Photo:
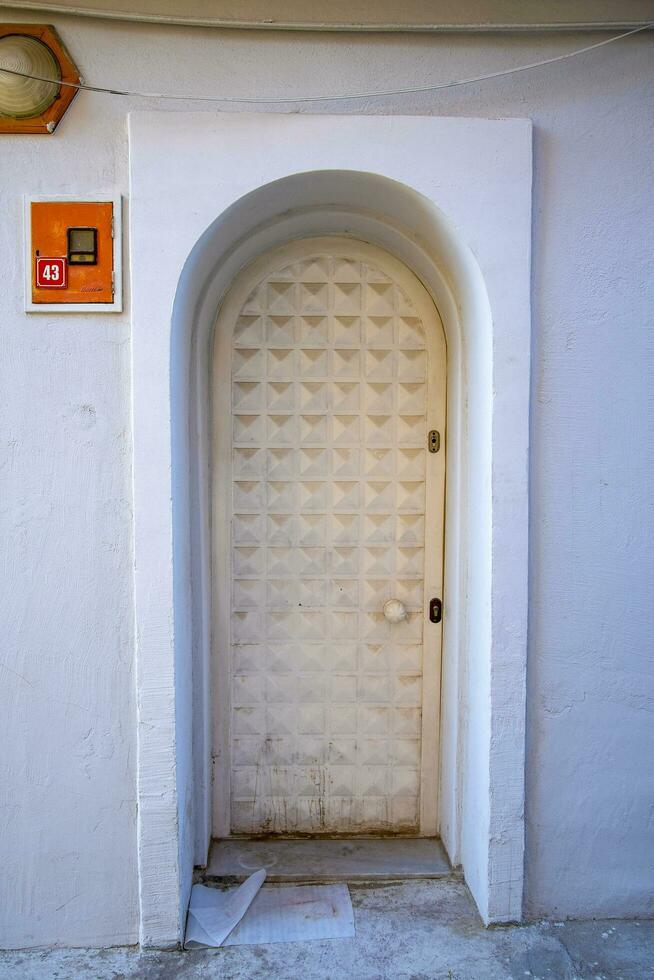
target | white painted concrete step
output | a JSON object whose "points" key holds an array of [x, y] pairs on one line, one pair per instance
{"points": [[328, 859]]}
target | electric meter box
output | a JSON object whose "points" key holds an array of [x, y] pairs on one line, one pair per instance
{"points": [[73, 255]]}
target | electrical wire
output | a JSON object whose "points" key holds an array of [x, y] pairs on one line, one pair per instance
{"points": [[354, 25], [287, 100]]}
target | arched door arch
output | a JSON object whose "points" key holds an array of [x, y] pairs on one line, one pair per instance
{"points": [[413, 231]]}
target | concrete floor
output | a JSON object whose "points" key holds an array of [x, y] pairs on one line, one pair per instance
{"points": [[423, 930], [328, 859]]}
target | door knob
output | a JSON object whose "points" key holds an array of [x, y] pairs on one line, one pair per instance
{"points": [[395, 610]]}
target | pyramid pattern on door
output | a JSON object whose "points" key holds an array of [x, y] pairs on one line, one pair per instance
{"points": [[329, 389]]}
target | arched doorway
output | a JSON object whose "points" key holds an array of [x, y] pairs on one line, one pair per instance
{"points": [[328, 486], [225, 219]]}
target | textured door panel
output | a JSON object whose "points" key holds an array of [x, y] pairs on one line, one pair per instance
{"points": [[326, 512]]}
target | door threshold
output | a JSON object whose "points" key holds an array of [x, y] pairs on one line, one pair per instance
{"points": [[327, 859]]}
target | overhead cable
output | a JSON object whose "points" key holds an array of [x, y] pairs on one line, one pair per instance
{"points": [[303, 99]]}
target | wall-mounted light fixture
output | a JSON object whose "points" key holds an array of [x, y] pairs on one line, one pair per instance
{"points": [[34, 104]]}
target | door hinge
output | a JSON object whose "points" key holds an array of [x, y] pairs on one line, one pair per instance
{"points": [[435, 611], [434, 441]]}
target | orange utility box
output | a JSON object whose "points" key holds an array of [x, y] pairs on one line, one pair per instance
{"points": [[72, 254]]}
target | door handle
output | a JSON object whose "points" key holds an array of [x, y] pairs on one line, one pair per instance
{"points": [[395, 611], [435, 611]]}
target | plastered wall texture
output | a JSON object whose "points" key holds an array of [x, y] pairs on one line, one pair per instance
{"points": [[67, 709]]}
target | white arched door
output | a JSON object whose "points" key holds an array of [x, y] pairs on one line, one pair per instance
{"points": [[329, 373]]}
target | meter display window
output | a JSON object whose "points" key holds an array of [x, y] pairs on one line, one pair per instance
{"points": [[82, 246]]}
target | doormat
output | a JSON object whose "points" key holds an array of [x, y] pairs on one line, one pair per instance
{"points": [[251, 914]]}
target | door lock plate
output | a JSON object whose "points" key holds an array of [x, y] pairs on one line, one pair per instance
{"points": [[434, 440]]}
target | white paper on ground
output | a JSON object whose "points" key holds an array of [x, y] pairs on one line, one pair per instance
{"points": [[293, 913], [212, 913]]}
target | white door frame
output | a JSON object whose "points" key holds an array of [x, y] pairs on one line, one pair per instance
{"points": [[389, 181], [221, 465]]}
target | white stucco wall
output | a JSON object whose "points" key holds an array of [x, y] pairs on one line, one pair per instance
{"points": [[67, 711]]}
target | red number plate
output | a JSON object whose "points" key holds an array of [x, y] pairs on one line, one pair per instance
{"points": [[51, 273]]}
